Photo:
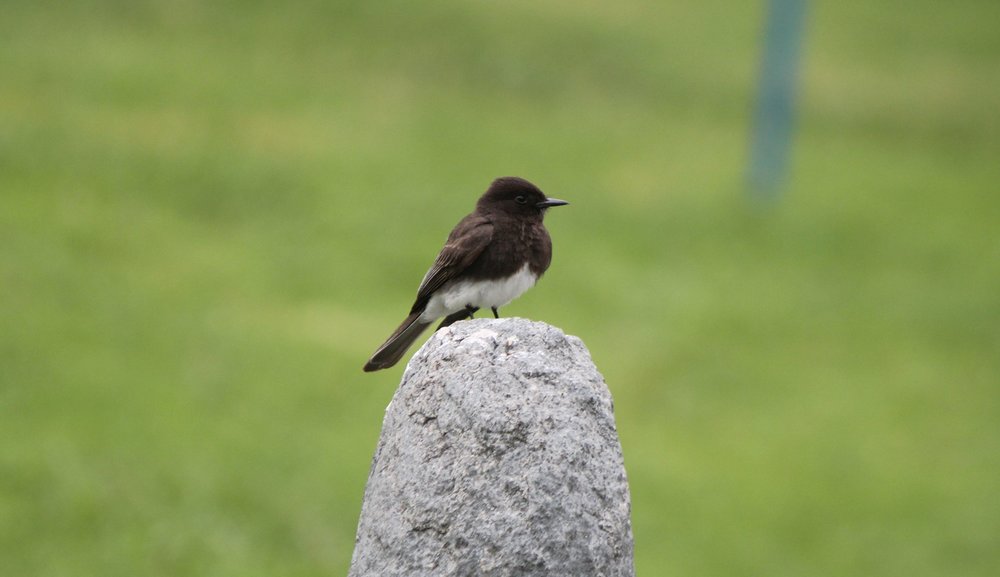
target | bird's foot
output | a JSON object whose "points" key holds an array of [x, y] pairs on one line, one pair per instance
{"points": [[496, 313], [459, 315]]}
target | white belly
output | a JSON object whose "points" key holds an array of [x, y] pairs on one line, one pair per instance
{"points": [[482, 294]]}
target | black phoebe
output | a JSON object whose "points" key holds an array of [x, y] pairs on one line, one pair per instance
{"points": [[490, 258]]}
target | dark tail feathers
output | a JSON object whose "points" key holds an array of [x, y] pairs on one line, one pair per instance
{"points": [[396, 345]]}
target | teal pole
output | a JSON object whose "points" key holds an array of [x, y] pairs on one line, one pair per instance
{"points": [[774, 115]]}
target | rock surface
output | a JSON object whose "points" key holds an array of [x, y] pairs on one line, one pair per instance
{"points": [[498, 456]]}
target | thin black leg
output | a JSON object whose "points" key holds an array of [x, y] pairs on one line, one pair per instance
{"points": [[496, 314], [461, 315]]}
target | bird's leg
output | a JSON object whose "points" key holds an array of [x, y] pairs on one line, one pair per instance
{"points": [[459, 315], [496, 313]]}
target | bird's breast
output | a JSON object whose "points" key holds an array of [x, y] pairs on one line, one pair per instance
{"points": [[481, 293]]}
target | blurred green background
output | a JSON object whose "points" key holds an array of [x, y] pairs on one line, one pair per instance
{"points": [[211, 214]]}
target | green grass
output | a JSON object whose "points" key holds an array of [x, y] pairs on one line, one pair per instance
{"points": [[192, 274]]}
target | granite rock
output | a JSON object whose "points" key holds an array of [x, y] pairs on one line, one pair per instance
{"points": [[498, 457]]}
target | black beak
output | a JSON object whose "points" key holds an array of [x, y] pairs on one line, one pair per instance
{"points": [[551, 202]]}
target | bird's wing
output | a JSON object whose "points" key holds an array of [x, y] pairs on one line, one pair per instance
{"points": [[464, 245]]}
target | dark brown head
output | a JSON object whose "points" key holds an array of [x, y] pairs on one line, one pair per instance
{"points": [[516, 196]]}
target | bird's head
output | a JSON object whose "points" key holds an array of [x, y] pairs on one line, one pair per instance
{"points": [[515, 195]]}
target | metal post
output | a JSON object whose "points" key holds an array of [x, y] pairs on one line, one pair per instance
{"points": [[775, 111]]}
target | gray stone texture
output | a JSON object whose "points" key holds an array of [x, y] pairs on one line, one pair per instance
{"points": [[498, 456]]}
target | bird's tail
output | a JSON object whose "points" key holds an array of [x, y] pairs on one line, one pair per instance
{"points": [[396, 345]]}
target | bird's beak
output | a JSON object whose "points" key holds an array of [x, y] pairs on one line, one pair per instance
{"points": [[551, 202]]}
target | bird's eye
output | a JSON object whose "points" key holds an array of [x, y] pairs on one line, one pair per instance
{"points": [[520, 200]]}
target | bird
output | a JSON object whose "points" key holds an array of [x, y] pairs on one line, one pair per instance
{"points": [[491, 257]]}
